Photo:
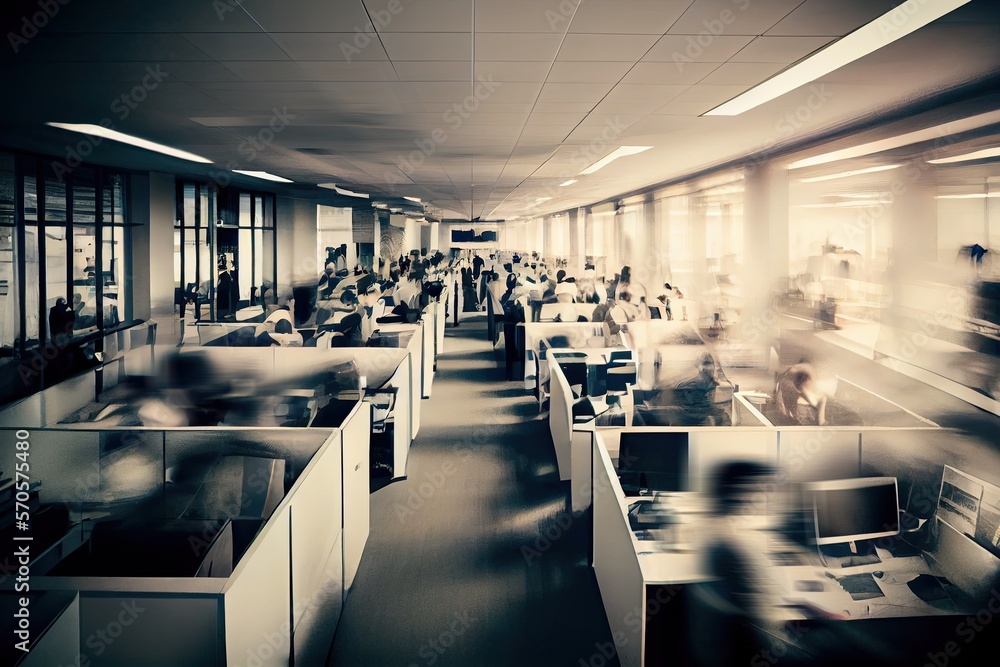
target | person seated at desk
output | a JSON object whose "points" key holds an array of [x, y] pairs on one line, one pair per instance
{"points": [[277, 330], [688, 402], [736, 617], [800, 400]]}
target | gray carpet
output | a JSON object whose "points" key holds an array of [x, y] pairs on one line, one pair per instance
{"points": [[457, 570]]}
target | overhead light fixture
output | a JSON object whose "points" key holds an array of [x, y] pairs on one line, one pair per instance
{"points": [[262, 174], [342, 191], [541, 199], [979, 195], [929, 134], [621, 151], [415, 199], [867, 39], [977, 155], [854, 203], [569, 182], [121, 137], [853, 172]]}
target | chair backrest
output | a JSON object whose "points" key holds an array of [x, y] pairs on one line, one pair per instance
{"points": [[617, 355], [619, 377]]}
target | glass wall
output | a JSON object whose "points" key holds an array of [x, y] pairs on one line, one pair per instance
{"points": [[64, 251], [224, 251]]}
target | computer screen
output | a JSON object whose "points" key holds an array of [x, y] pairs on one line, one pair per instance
{"points": [[653, 461], [847, 510]]}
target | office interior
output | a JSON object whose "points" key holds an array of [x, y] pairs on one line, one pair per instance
{"points": [[848, 222]]}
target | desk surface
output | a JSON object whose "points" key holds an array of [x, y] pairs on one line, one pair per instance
{"points": [[798, 591]]}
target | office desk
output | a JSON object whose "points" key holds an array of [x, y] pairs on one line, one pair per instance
{"points": [[647, 588]]}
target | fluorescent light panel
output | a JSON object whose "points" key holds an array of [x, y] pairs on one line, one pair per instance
{"points": [[262, 174], [342, 191], [121, 137], [621, 151], [980, 195], [854, 203], [977, 155], [853, 172], [416, 199], [867, 39], [569, 182]]}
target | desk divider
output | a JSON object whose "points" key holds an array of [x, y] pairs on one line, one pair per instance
{"points": [[616, 564]]}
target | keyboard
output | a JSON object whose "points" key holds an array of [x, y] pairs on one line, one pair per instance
{"points": [[860, 586]]}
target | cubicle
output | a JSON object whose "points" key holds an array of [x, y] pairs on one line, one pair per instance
{"points": [[188, 530], [646, 585]]}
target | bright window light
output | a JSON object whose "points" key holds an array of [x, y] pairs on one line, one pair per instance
{"points": [[622, 151], [854, 172], [262, 174], [108, 133], [977, 155], [567, 183], [886, 29]]}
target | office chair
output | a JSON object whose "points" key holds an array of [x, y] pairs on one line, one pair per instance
{"points": [[619, 377], [620, 355]]}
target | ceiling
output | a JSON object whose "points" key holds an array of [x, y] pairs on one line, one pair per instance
{"points": [[481, 108]]}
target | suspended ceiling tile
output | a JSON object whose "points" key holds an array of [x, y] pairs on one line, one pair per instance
{"points": [[732, 17], [819, 17], [372, 70], [288, 70], [742, 73], [516, 46], [574, 92], [780, 49], [557, 119], [118, 47], [669, 73], [237, 45], [335, 46], [428, 46], [129, 16], [685, 49], [307, 15], [605, 48], [589, 72], [420, 16], [510, 92], [687, 109], [642, 17], [562, 107], [520, 16], [526, 71], [436, 70], [716, 94]]}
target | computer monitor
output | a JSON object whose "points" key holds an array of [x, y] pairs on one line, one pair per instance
{"points": [[653, 461], [848, 510]]}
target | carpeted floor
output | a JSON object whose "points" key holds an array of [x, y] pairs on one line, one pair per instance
{"points": [[460, 568]]}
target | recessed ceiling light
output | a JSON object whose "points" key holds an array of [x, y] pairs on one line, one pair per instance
{"points": [[937, 132], [621, 151], [342, 191], [114, 135], [569, 182], [977, 155], [978, 195], [262, 174], [853, 203], [416, 199], [867, 39], [853, 172]]}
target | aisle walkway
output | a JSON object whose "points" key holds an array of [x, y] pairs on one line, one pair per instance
{"points": [[454, 572]]}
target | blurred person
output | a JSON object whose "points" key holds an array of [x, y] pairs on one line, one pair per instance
{"points": [[799, 397]]}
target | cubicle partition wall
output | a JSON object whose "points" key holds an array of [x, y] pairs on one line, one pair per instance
{"points": [[239, 516], [130, 352], [564, 335], [631, 572]]}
